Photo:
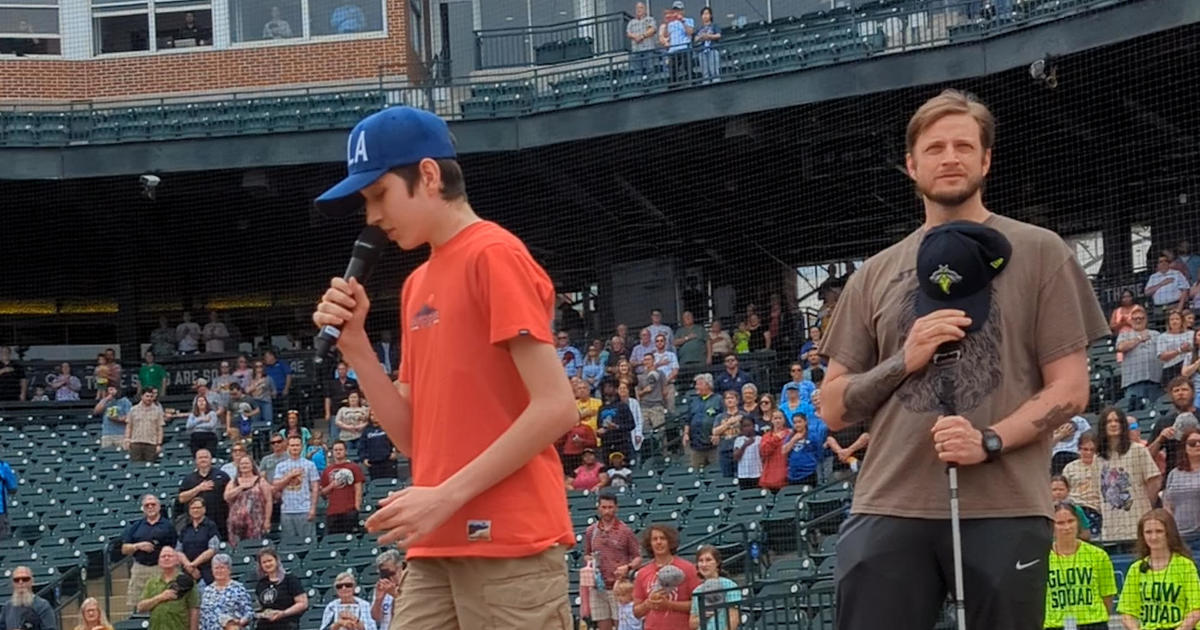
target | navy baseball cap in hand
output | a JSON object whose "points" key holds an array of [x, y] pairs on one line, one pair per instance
{"points": [[956, 263], [396, 136]]}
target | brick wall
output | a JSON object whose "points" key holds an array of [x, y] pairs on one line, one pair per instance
{"points": [[213, 70]]}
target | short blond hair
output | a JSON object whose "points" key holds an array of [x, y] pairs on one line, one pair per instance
{"points": [[949, 103]]}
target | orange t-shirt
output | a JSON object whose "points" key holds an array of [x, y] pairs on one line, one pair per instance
{"points": [[459, 309]]}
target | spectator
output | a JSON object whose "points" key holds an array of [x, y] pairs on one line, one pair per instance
{"points": [[719, 341], [1083, 478], [250, 500], [1060, 489], [13, 384], [1129, 478], [236, 452], [746, 454], [650, 393], [623, 592], [1081, 580], [242, 415], [199, 540], [727, 427], [280, 374], [1162, 583], [9, 482], [578, 439], [113, 411], [619, 475], [223, 382], [750, 408], [657, 327], [214, 399], [614, 551], [1166, 434], [572, 360], [292, 429], [675, 34], [635, 408], [151, 375], [717, 591], [733, 377], [592, 370], [1167, 287], [1141, 369], [338, 390], [1181, 494], [207, 484], [390, 564], [760, 336], [741, 338], [626, 373], [1066, 443], [692, 345], [616, 351], [144, 429], [849, 447], [277, 27], [91, 616], [187, 335], [316, 452], [663, 602], [389, 356], [24, 609], [376, 449], [280, 596], [588, 406], [215, 334], [805, 449], [641, 33], [297, 483], [224, 597], [262, 391], [792, 402], [645, 346], [342, 485], [615, 420], [39, 394], [65, 386], [589, 475], [202, 426], [100, 374], [771, 451], [144, 539], [667, 364], [701, 415], [243, 372], [162, 340], [1120, 322], [347, 612], [1189, 261], [705, 41], [1173, 346], [622, 331], [1191, 367]]}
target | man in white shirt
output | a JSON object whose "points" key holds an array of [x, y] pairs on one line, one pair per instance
{"points": [[215, 334], [1167, 287], [187, 335]]}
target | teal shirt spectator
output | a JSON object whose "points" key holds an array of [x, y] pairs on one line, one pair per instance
{"points": [[8, 485], [677, 36], [118, 408], [702, 413], [718, 593]]}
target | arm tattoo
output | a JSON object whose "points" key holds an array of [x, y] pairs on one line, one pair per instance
{"points": [[865, 393], [1057, 415]]}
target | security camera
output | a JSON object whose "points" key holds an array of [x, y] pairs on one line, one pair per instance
{"points": [[149, 184], [1045, 71]]}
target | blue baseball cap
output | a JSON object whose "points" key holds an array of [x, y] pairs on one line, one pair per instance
{"points": [[396, 136]]}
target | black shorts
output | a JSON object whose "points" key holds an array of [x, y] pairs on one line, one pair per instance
{"points": [[345, 523], [891, 569]]}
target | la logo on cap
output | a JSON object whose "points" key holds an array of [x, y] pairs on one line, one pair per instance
{"points": [[356, 149]]}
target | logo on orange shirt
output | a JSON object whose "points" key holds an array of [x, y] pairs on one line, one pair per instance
{"points": [[425, 317], [479, 530]]}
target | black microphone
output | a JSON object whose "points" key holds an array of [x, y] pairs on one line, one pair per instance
{"points": [[367, 250]]}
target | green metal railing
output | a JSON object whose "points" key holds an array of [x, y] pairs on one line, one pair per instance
{"points": [[832, 37], [554, 43]]}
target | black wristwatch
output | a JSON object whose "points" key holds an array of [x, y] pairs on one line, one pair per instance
{"points": [[992, 445]]}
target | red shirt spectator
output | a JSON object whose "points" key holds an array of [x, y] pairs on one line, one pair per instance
{"points": [[342, 499], [674, 611], [770, 449]]}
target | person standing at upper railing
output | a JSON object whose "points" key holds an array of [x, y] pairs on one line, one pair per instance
{"points": [[641, 32]]}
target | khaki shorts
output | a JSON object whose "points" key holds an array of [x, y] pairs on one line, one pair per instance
{"points": [[604, 605], [703, 459], [112, 441], [656, 416], [139, 575], [485, 593]]}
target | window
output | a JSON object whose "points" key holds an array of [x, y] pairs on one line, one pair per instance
{"points": [[1089, 251], [255, 20], [1140, 238], [810, 278], [29, 27], [126, 25]]}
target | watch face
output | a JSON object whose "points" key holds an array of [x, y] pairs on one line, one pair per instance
{"points": [[991, 442]]}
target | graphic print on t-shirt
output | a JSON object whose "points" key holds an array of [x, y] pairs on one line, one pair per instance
{"points": [[976, 373], [1116, 488]]}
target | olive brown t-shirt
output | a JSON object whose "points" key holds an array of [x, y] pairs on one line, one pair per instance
{"points": [[1042, 309]]}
